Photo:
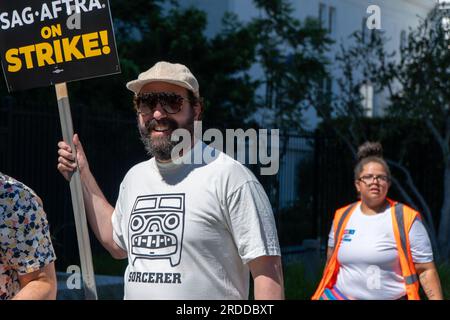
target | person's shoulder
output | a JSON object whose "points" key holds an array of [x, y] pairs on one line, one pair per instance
{"points": [[9, 182], [21, 201], [407, 207], [12, 186], [228, 167], [409, 213], [137, 170]]}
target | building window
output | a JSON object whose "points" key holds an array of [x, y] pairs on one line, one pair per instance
{"points": [[446, 26], [323, 15], [403, 40], [366, 92], [326, 94], [327, 18], [332, 20], [364, 30]]}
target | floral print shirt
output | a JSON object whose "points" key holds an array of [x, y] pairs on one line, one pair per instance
{"points": [[25, 244]]}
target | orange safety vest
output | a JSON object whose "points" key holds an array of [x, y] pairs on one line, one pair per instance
{"points": [[402, 220]]}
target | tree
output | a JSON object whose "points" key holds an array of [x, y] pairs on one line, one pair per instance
{"points": [[423, 75], [416, 85], [291, 55]]}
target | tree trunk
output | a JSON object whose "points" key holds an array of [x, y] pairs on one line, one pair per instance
{"points": [[424, 208]]}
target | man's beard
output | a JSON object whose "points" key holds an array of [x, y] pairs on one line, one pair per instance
{"points": [[161, 147]]}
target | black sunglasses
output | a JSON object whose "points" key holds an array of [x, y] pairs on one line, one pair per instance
{"points": [[169, 101]]}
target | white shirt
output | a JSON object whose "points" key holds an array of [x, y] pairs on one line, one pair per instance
{"points": [[368, 257], [190, 230]]}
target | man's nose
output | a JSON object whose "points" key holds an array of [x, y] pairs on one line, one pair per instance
{"points": [[158, 112]]}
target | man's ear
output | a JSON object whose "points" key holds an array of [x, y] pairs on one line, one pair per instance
{"points": [[198, 111]]}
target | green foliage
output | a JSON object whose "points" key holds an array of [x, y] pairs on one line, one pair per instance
{"points": [[104, 264], [297, 222], [423, 73], [444, 275], [299, 286], [414, 86], [291, 54]]}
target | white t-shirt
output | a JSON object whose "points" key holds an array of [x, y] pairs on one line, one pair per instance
{"points": [[370, 266], [190, 230]]}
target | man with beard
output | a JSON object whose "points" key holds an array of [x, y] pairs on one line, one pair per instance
{"points": [[189, 231]]}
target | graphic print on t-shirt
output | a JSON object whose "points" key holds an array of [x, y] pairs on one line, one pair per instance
{"points": [[156, 227], [348, 235]]}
